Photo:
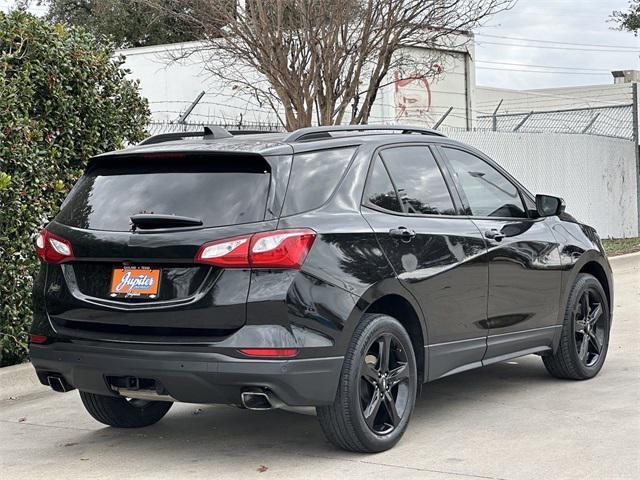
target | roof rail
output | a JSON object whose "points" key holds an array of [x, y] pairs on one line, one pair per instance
{"points": [[318, 133], [252, 132], [210, 132]]}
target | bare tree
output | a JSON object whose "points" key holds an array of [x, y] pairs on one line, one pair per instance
{"points": [[325, 59]]}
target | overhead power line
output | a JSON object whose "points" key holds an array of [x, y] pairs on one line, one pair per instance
{"points": [[548, 47], [558, 72], [522, 39], [557, 67]]}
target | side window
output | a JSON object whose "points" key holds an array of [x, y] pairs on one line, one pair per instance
{"points": [[419, 181], [314, 177], [488, 192], [380, 191]]}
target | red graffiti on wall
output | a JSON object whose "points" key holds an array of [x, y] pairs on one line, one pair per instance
{"points": [[412, 97]]}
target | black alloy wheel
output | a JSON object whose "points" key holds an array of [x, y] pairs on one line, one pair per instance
{"points": [[590, 325], [584, 338], [384, 385], [377, 388]]}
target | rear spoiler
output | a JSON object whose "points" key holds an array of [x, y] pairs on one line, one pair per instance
{"points": [[209, 133]]}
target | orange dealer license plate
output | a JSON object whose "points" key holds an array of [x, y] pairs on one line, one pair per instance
{"points": [[138, 282]]}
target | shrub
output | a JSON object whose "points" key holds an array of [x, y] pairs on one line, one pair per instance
{"points": [[63, 98]]}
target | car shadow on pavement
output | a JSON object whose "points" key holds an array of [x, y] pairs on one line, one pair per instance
{"points": [[222, 431]]}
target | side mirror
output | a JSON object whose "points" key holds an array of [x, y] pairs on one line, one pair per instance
{"points": [[549, 206]]}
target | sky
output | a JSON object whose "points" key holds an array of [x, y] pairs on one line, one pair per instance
{"points": [[550, 28], [544, 43]]}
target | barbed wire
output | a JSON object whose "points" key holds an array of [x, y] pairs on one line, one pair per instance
{"points": [[611, 120]]}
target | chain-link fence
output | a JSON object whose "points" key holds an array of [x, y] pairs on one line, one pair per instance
{"points": [[616, 121], [596, 175], [610, 121]]}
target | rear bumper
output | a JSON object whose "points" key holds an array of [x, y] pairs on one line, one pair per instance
{"points": [[189, 376]]}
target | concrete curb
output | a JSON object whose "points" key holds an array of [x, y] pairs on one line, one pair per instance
{"points": [[18, 381], [628, 260]]}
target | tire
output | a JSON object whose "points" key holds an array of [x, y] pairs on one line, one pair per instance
{"points": [[574, 359], [343, 422], [123, 413]]}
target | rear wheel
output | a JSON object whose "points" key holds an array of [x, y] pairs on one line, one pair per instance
{"points": [[585, 333], [377, 388], [123, 412]]}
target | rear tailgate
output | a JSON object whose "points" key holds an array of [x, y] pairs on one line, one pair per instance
{"points": [[128, 283]]}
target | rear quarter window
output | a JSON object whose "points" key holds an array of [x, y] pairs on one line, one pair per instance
{"points": [[314, 177]]}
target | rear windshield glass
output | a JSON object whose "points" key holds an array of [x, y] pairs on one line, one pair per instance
{"points": [[314, 177], [216, 191]]}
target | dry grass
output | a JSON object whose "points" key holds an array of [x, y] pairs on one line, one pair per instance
{"points": [[620, 246]]}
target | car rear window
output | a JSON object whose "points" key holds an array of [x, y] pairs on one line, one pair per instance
{"points": [[218, 191], [314, 177]]}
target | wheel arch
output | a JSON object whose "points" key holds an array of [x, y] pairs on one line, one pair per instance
{"points": [[594, 263], [594, 268], [561, 362], [390, 298], [399, 308]]}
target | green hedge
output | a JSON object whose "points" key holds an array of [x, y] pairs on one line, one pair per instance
{"points": [[63, 98]]}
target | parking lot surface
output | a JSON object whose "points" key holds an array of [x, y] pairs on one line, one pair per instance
{"points": [[507, 421]]}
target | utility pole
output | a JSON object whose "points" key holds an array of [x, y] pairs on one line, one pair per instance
{"points": [[636, 138]]}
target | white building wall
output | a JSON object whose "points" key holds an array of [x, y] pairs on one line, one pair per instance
{"points": [[171, 85], [518, 101], [424, 101], [595, 175]]}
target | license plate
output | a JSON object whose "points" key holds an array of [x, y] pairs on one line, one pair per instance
{"points": [[138, 282]]}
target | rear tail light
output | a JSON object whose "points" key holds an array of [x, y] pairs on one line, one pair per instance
{"points": [[232, 252], [276, 249], [270, 352], [37, 338], [281, 249], [52, 248]]}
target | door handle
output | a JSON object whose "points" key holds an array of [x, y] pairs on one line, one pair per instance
{"points": [[403, 233], [494, 234]]}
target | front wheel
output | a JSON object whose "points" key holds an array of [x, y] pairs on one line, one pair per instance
{"points": [[377, 389], [584, 339], [122, 412]]}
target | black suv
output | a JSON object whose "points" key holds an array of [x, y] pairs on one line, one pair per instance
{"points": [[333, 267]]}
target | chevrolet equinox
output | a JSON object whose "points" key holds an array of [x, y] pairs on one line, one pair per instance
{"points": [[332, 267]]}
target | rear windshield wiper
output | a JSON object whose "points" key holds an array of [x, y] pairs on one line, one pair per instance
{"points": [[155, 220]]}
